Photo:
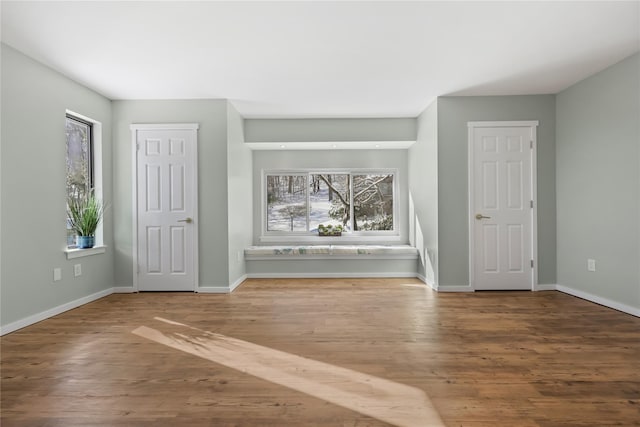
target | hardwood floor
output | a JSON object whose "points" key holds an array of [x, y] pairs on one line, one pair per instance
{"points": [[482, 359]]}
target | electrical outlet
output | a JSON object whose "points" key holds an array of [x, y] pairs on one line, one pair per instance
{"points": [[77, 270], [239, 256], [591, 264], [57, 274]]}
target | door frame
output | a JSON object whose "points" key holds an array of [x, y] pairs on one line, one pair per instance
{"points": [[135, 128], [533, 126]]}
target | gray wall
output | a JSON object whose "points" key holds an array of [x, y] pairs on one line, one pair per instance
{"points": [[34, 100], [212, 181], [240, 189], [309, 159], [312, 130], [598, 183], [302, 130], [453, 229], [423, 189]]}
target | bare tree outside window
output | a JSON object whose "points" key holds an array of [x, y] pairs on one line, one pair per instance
{"points": [[302, 202], [373, 202], [329, 200], [287, 203]]}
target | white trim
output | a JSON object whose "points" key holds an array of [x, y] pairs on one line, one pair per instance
{"points": [[164, 126], [422, 278], [634, 311], [532, 125], [196, 208], [134, 206], [79, 253], [455, 289], [134, 191], [545, 287], [471, 204], [504, 124], [38, 317], [124, 290], [234, 285], [311, 257], [213, 290], [326, 275], [311, 239], [204, 289], [330, 145], [534, 198]]}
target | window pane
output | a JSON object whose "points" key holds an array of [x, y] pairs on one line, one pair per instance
{"points": [[373, 202], [78, 159], [329, 197], [286, 202]]}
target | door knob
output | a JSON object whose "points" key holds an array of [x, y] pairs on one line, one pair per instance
{"points": [[480, 216], [187, 220]]}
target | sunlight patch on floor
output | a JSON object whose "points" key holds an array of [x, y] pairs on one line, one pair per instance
{"points": [[388, 401]]}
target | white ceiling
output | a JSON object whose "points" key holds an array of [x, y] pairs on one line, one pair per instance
{"points": [[320, 58]]}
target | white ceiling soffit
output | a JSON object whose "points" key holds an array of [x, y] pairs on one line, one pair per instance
{"points": [[321, 58]]}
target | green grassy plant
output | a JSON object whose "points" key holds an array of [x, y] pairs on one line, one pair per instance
{"points": [[85, 212]]}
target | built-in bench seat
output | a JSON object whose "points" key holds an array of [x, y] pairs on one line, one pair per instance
{"points": [[290, 252]]}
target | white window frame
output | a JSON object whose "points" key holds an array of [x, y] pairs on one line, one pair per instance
{"points": [[390, 236], [96, 153]]}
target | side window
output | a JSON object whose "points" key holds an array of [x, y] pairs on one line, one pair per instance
{"points": [[79, 159]]}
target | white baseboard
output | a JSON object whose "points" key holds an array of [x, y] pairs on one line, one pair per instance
{"points": [[124, 290], [234, 285], [600, 300], [30, 320], [204, 289], [433, 286], [325, 275], [455, 289], [213, 289], [545, 287]]}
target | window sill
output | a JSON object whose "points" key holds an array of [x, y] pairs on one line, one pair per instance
{"points": [[344, 239], [79, 253]]}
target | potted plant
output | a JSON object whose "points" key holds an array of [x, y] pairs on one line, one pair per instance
{"points": [[84, 212]]}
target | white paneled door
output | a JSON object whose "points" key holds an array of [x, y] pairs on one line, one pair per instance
{"points": [[166, 207], [501, 184]]}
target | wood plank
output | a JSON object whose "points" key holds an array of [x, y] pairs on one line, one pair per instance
{"points": [[483, 359]]}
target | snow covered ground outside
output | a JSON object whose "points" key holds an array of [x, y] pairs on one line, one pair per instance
{"points": [[279, 214]]}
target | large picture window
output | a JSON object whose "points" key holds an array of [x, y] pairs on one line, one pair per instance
{"points": [[361, 201]]}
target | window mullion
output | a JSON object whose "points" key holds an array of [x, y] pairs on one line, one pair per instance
{"points": [[91, 160], [351, 208], [308, 201]]}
